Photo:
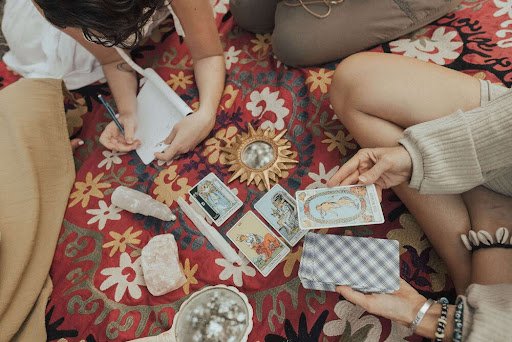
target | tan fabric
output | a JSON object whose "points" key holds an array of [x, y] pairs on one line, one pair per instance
{"points": [[487, 313], [466, 149], [36, 176], [302, 39]]}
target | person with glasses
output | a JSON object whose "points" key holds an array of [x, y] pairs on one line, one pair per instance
{"points": [[75, 40]]}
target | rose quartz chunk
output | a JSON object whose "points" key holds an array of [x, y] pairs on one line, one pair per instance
{"points": [[161, 266]]}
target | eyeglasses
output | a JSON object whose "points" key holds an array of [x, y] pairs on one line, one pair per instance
{"points": [[97, 39]]}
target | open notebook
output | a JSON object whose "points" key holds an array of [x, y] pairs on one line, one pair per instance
{"points": [[159, 108]]}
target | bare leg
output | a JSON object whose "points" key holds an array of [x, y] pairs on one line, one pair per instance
{"points": [[490, 211], [377, 96]]}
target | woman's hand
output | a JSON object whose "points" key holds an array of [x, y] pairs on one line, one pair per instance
{"points": [[187, 134], [385, 167], [113, 139], [401, 306]]}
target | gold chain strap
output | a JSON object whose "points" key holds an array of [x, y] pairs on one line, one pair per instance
{"points": [[306, 3]]}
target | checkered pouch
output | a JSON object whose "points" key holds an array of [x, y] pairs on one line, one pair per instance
{"points": [[365, 264]]}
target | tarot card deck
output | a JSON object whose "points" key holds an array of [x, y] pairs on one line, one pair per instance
{"points": [[365, 264]]}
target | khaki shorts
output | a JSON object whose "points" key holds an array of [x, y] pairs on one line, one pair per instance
{"points": [[300, 38]]}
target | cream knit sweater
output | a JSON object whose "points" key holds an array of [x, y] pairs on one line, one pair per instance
{"points": [[456, 153]]}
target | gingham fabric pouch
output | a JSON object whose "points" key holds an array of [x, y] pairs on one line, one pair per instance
{"points": [[365, 264]]}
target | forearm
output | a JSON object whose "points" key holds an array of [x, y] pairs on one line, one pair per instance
{"points": [[461, 151], [123, 84], [427, 327], [210, 74]]}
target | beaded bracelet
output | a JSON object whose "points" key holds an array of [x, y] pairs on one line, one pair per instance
{"points": [[441, 322], [458, 318]]}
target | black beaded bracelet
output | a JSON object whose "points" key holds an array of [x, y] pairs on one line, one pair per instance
{"points": [[441, 322], [458, 320]]}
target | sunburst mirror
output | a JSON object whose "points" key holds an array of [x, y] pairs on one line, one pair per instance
{"points": [[259, 156]]}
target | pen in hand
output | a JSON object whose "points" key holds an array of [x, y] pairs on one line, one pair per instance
{"points": [[111, 113]]}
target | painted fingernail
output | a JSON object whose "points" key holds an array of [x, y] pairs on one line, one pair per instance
{"points": [[80, 143], [363, 179]]}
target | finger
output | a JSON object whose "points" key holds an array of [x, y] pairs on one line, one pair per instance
{"points": [[171, 136], [120, 146], [75, 143], [378, 188], [352, 295], [129, 132], [371, 176], [345, 170], [352, 179], [169, 153], [122, 140]]}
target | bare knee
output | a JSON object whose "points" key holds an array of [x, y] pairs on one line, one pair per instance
{"points": [[348, 84]]}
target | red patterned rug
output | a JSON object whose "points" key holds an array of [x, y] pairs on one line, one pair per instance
{"points": [[98, 293]]}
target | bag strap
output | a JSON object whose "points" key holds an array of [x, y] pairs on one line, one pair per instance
{"points": [[306, 3]]}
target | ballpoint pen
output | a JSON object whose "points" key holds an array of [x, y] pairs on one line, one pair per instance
{"points": [[111, 113]]}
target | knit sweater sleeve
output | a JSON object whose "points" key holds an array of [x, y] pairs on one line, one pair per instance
{"points": [[461, 151], [487, 313]]}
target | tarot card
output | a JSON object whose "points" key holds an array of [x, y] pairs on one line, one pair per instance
{"points": [[278, 207], [215, 198], [258, 243], [342, 206]]}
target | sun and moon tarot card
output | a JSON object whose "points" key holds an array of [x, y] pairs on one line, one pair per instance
{"points": [[342, 206], [258, 243]]}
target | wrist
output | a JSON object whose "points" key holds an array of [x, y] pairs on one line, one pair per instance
{"points": [[126, 113], [427, 327], [414, 308], [208, 116]]}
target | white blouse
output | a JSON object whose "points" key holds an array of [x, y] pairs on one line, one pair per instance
{"points": [[40, 50]]}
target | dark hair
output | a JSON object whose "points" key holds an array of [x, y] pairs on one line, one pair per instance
{"points": [[106, 22]]}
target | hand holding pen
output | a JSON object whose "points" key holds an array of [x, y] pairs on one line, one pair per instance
{"points": [[118, 135]]}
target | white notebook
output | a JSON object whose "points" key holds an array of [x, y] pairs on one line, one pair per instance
{"points": [[159, 108]]}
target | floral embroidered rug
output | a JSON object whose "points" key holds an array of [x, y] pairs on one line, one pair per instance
{"points": [[99, 292]]}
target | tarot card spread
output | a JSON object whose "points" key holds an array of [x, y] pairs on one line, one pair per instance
{"points": [[341, 206], [258, 243], [365, 264], [215, 198], [278, 207]]}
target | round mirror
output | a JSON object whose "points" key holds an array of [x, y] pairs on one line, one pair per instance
{"points": [[216, 314], [258, 155]]}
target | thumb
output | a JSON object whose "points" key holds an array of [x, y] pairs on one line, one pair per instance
{"points": [[371, 176], [168, 154], [352, 295], [129, 132]]}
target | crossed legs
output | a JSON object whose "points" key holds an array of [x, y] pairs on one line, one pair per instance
{"points": [[376, 97]]}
